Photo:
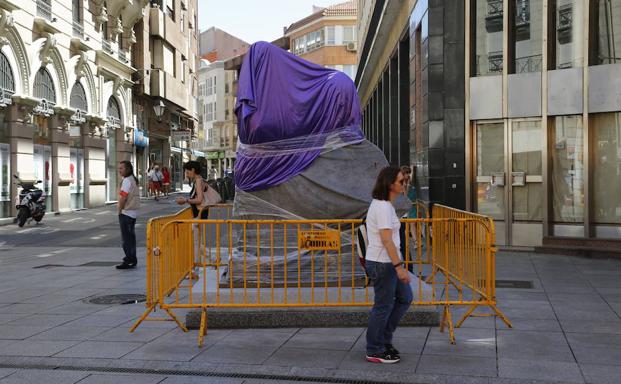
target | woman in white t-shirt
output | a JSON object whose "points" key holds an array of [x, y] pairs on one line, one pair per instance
{"points": [[385, 268]]}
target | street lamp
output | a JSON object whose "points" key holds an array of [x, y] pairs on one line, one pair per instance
{"points": [[159, 108]]}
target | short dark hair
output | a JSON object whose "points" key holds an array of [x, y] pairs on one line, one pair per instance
{"points": [[193, 165], [385, 179]]}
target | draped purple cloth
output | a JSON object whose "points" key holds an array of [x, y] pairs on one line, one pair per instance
{"points": [[283, 97]]}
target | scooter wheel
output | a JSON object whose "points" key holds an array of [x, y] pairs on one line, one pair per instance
{"points": [[22, 216]]}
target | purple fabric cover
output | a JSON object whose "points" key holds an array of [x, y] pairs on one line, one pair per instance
{"points": [[281, 96]]}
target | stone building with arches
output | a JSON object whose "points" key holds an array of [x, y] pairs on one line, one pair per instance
{"points": [[67, 80]]}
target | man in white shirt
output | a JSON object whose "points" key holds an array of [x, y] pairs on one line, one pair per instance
{"points": [[129, 203]]}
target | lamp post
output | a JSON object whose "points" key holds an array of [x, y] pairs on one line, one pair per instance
{"points": [[159, 108]]}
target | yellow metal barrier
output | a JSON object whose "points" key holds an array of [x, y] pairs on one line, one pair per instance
{"points": [[463, 258], [313, 263]]}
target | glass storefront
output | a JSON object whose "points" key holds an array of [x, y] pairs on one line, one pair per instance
{"points": [[488, 29], [76, 169], [527, 29], [569, 33], [42, 156], [606, 128], [568, 170], [490, 169], [111, 165]]}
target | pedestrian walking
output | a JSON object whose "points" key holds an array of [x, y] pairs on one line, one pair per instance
{"points": [[409, 189], [384, 266], [201, 195], [165, 181], [213, 173], [156, 178], [128, 205], [150, 181]]}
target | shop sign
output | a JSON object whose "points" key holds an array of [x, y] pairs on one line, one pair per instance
{"points": [[212, 155], [327, 240], [181, 136], [140, 140], [44, 108]]}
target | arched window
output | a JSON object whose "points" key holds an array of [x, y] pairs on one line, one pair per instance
{"points": [[113, 112], [78, 97], [7, 82], [44, 86]]}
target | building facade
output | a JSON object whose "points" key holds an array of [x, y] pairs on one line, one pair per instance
{"points": [[509, 108], [327, 37], [216, 45], [66, 110], [217, 96], [166, 87]]}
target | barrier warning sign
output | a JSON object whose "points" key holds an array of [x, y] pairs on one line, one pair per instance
{"points": [[328, 240]]}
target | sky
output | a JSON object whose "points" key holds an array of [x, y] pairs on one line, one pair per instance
{"points": [[254, 20]]}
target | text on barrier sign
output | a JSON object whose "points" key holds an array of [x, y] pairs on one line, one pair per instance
{"points": [[328, 240]]}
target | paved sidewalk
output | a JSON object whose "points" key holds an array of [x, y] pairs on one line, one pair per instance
{"points": [[567, 329]]}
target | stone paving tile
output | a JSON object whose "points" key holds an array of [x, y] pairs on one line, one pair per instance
{"points": [[203, 380], [533, 346], [36, 347], [231, 353], [44, 376], [585, 312], [457, 365], [166, 350], [44, 320], [310, 358], [355, 360], [19, 332], [100, 349], [332, 331], [97, 320], [98, 378], [27, 308], [564, 372], [469, 342], [8, 317], [410, 332], [121, 333], [531, 325], [315, 341], [580, 326], [601, 374], [68, 332], [76, 307], [596, 348], [4, 372], [523, 309], [257, 339]]}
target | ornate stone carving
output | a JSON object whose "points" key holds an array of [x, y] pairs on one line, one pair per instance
{"points": [[46, 49], [80, 67], [6, 23], [118, 29], [102, 17]]}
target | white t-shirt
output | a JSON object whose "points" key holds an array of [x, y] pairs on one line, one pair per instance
{"points": [[381, 215], [125, 189]]}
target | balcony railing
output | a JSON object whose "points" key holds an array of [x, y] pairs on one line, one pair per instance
{"points": [[528, 64], [44, 9], [107, 47], [493, 17], [78, 30], [123, 56]]}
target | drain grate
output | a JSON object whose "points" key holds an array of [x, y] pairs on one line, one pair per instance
{"points": [[524, 284], [212, 374], [117, 299], [99, 264]]}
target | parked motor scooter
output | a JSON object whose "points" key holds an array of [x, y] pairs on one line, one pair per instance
{"points": [[30, 202]]}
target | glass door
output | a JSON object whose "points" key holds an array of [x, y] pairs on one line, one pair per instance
{"points": [[490, 174], [508, 179], [526, 187]]}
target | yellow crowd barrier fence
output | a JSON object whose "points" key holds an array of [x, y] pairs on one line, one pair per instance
{"points": [[219, 263]]}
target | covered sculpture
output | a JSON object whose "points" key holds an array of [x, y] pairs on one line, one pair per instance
{"points": [[301, 151]]}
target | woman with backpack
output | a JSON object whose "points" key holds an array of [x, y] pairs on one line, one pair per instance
{"points": [[384, 266], [201, 195]]}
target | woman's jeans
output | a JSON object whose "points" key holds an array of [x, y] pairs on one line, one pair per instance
{"points": [[128, 234], [392, 300]]}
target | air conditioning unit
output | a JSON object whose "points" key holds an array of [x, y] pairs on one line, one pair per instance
{"points": [[352, 47]]}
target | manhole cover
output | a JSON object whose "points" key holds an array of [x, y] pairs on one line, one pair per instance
{"points": [[525, 284], [117, 299], [99, 264]]}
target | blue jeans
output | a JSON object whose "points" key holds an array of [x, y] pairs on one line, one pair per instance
{"points": [[128, 235], [392, 300]]}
